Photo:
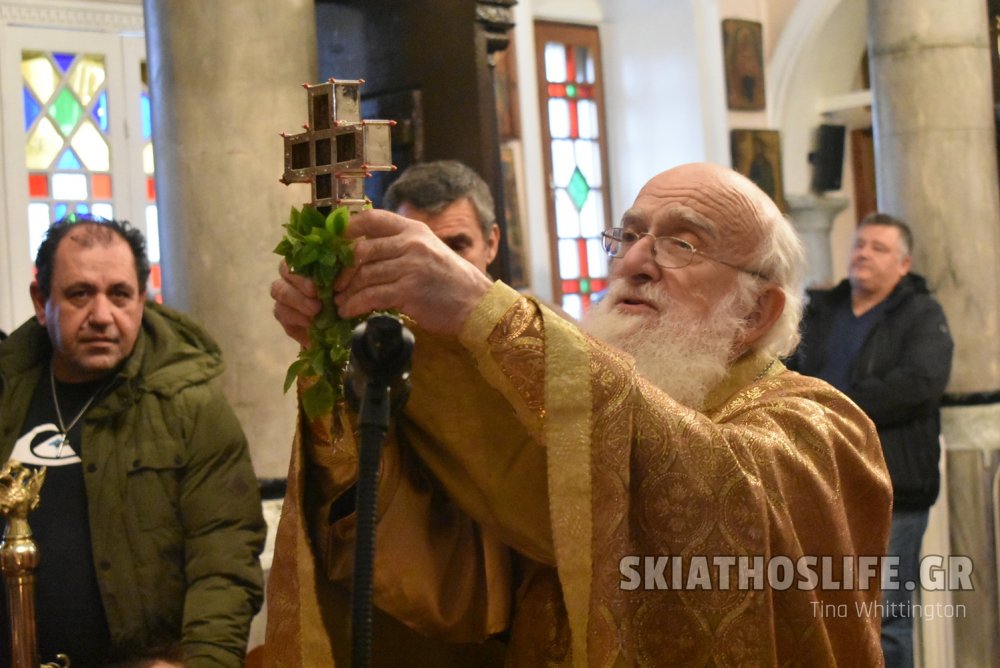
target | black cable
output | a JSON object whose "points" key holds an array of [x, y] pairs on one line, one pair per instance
{"points": [[377, 382]]}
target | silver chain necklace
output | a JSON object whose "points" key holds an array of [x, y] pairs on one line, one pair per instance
{"points": [[64, 430]]}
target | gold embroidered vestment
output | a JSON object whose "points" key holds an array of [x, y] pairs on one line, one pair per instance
{"points": [[535, 475]]}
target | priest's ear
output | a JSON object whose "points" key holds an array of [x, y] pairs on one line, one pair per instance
{"points": [[766, 310]]}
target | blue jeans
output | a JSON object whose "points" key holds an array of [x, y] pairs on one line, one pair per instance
{"points": [[905, 536]]}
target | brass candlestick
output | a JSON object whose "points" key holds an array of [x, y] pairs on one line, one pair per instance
{"points": [[19, 495]]}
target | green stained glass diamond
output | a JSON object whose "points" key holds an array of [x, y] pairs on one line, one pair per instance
{"points": [[578, 188], [584, 285], [570, 90], [66, 111]]}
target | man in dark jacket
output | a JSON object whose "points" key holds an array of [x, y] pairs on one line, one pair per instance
{"points": [[149, 525], [880, 338]]}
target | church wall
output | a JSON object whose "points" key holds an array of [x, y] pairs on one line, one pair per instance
{"points": [[666, 99]]}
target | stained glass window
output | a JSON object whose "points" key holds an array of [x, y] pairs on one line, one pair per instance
{"points": [[68, 145], [67, 153], [578, 200], [152, 221]]}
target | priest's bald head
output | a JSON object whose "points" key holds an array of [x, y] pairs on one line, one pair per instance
{"points": [[706, 269]]}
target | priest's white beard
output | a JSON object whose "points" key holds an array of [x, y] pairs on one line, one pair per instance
{"points": [[682, 353]]}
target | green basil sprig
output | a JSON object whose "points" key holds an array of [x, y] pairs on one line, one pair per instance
{"points": [[314, 246]]}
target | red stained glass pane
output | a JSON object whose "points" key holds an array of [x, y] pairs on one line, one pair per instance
{"points": [[151, 189], [598, 284], [570, 287], [38, 185], [574, 123], [557, 90], [102, 186], [584, 91], [581, 249], [570, 63]]}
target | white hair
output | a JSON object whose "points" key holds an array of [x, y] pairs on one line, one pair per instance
{"points": [[782, 259]]}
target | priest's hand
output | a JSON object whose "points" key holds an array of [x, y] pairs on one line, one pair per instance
{"points": [[399, 264], [295, 303]]}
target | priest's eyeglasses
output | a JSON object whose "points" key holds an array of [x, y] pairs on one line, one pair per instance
{"points": [[668, 252]]}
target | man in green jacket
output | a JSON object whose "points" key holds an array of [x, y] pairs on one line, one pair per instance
{"points": [[149, 525]]}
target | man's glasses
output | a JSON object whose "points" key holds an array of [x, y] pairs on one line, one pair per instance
{"points": [[668, 252]]}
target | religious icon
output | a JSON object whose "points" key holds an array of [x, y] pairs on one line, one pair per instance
{"points": [[514, 213], [757, 155], [744, 55]]}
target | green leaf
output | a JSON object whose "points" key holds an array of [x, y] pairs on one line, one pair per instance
{"points": [[340, 219], [317, 360], [294, 369], [310, 218], [303, 257], [318, 399]]}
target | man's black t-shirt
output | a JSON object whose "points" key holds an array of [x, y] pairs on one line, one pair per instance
{"points": [[68, 609]]}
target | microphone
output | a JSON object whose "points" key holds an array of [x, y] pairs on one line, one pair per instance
{"points": [[376, 382], [381, 348]]}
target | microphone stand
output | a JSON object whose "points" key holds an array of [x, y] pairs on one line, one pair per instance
{"points": [[377, 382]]}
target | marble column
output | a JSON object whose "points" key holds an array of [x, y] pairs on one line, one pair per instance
{"points": [[225, 78], [936, 168], [813, 218]]}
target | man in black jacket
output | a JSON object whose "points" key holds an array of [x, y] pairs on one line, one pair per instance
{"points": [[881, 338]]}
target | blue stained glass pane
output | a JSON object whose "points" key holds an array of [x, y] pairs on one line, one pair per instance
{"points": [[82, 208], [64, 60], [68, 160], [100, 111], [31, 109], [60, 211], [147, 120]]}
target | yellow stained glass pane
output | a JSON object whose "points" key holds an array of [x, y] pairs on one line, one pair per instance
{"points": [[87, 76], [92, 148], [147, 158], [43, 145], [40, 74]]}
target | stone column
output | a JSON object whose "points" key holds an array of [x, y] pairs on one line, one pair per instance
{"points": [[936, 168], [225, 78], [813, 218]]}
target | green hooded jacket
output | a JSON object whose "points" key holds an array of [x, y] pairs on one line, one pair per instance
{"points": [[174, 504]]}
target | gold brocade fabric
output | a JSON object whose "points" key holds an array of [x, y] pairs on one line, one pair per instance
{"points": [[631, 518]]}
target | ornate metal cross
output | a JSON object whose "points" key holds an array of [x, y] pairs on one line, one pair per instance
{"points": [[338, 149]]}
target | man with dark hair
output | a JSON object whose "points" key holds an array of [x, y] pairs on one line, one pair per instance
{"points": [[882, 339], [149, 524], [452, 199]]}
